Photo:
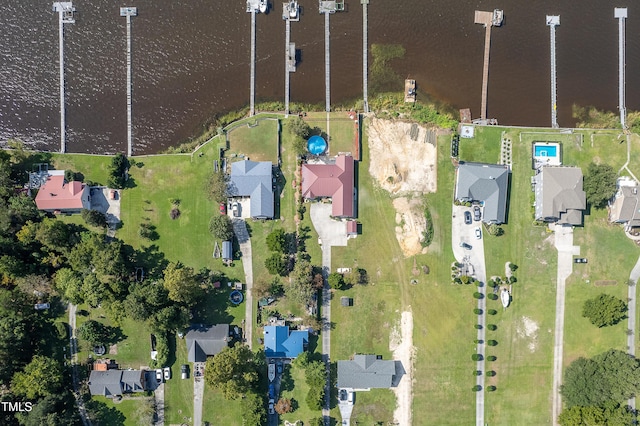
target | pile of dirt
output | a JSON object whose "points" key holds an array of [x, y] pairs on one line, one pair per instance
{"points": [[404, 166], [399, 163], [410, 225]]}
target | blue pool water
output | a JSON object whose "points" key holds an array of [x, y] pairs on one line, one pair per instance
{"points": [[316, 145], [545, 151]]}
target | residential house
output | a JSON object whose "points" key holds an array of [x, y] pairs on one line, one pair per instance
{"points": [[331, 178], [56, 195], [280, 342], [111, 383], [206, 340], [253, 180], [366, 372], [487, 184], [625, 206], [559, 195]]}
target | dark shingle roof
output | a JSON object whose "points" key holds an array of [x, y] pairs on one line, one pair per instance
{"points": [[366, 372], [253, 179], [559, 194], [485, 182], [206, 341], [116, 382]]}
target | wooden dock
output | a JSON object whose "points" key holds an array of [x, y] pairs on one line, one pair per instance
{"points": [[488, 19], [365, 56], [327, 63], [620, 14], [65, 16], [128, 12], [552, 21], [289, 13], [410, 91], [252, 78]]}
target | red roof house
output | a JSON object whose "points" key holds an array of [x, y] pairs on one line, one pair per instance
{"points": [[333, 180], [56, 194]]}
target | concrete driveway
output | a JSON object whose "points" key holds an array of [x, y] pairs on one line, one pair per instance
{"points": [[331, 232], [240, 229], [101, 202]]}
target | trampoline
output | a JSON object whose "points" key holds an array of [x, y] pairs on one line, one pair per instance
{"points": [[236, 297], [316, 145]]}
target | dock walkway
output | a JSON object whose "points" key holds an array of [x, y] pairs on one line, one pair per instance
{"points": [[252, 78], [128, 12], [327, 64], [65, 16], [365, 55], [620, 14], [552, 21], [488, 19]]}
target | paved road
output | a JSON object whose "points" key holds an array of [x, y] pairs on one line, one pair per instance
{"points": [[631, 344], [73, 353], [566, 251], [240, 229], [461, 232], [198, 394]]}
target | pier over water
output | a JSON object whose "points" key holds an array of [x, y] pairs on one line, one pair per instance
{"points": [[620, 13], [552, 21], [65, 16], [290, 12], [488, 19], [128, 12]]}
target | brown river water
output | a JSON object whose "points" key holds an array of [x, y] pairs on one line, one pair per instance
{"points": [[191, 60]]}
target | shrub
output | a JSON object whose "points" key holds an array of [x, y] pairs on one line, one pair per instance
{"points": [[162, 347], [174, 213], [336, 281], [94, 218]]}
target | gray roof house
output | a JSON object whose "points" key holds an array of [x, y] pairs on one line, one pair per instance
{"points": [[486, 183], [252, 179], [116, 382], [206, 340], [559, 195], [625, 207], [365, 372]]}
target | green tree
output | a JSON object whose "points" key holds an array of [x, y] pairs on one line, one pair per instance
{"points": [[253, 411], [298, 127], [95, 333], [56, 409], [299, 288], [41, 377], [315, 377], [604, 310], [182, 284], [233, 371], [336, 281], [69, 285], [610, 414], [276, 240], [600, 184], [217, 187], [276, 264], [118, 171], [221, 227], [94, 218]]}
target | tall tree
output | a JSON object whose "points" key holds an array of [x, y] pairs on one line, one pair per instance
{"points": [[276, 240], [253, 412], [600, 184], [221, 227], [604, 310], [182, 283], [41, 377], [233, 371]]}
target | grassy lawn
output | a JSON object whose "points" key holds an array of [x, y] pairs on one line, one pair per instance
{"points": [[341, 130], [218, 411], [178, 393], [122, 413], [259, 142], [294, 387], [95, 168]]}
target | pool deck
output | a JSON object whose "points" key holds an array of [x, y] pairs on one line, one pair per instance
{"points": [[540, 157]]}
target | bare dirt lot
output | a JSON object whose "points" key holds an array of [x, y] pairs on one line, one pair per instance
{"points": [[401, 343], [405, 167]]}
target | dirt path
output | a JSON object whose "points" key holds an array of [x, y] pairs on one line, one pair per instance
{"points": [[403, 351]]}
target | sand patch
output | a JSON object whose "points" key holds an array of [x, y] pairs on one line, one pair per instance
{"points": [[399, 163], [526, 328], [401, 343], [410, 225]]}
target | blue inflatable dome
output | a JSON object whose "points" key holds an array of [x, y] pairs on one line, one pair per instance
{"points": [[317, 145]]}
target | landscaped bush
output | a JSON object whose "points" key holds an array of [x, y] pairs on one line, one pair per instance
{"points": [[174, 213], [162, 347], [94, 218]]}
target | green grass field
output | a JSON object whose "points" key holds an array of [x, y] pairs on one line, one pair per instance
{"points": [[178, 393], [341, 130], [121, 413], [259, 142]]}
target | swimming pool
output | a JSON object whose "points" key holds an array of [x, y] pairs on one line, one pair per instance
{"points": [[545, 151]]}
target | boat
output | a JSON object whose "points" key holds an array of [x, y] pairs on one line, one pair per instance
{"points": [[505, 297], [293, 9], [263, 6], [272, 372], [498, 15]]}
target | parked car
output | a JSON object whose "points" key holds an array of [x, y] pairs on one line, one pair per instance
{"points": [[465, 246], [350, 395], [167, 373], [223, 208], [113, 194], [580, 260], [184, 371], [159, 375], [478, 233], [272, 391], [279, 366], [467, 218], [271, 410], [476, 213], [41, 306], [235, 208], [343, 395]]}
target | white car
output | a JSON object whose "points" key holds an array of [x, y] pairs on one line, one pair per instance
{"points": [[167, 373], [159, 375], [478, 233], [271, 410]]}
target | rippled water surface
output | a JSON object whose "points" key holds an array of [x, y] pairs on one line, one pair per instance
{"points": [[191, 60]]}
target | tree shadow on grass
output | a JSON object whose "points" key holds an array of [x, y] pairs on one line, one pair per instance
{"points": [[104, 415]]}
